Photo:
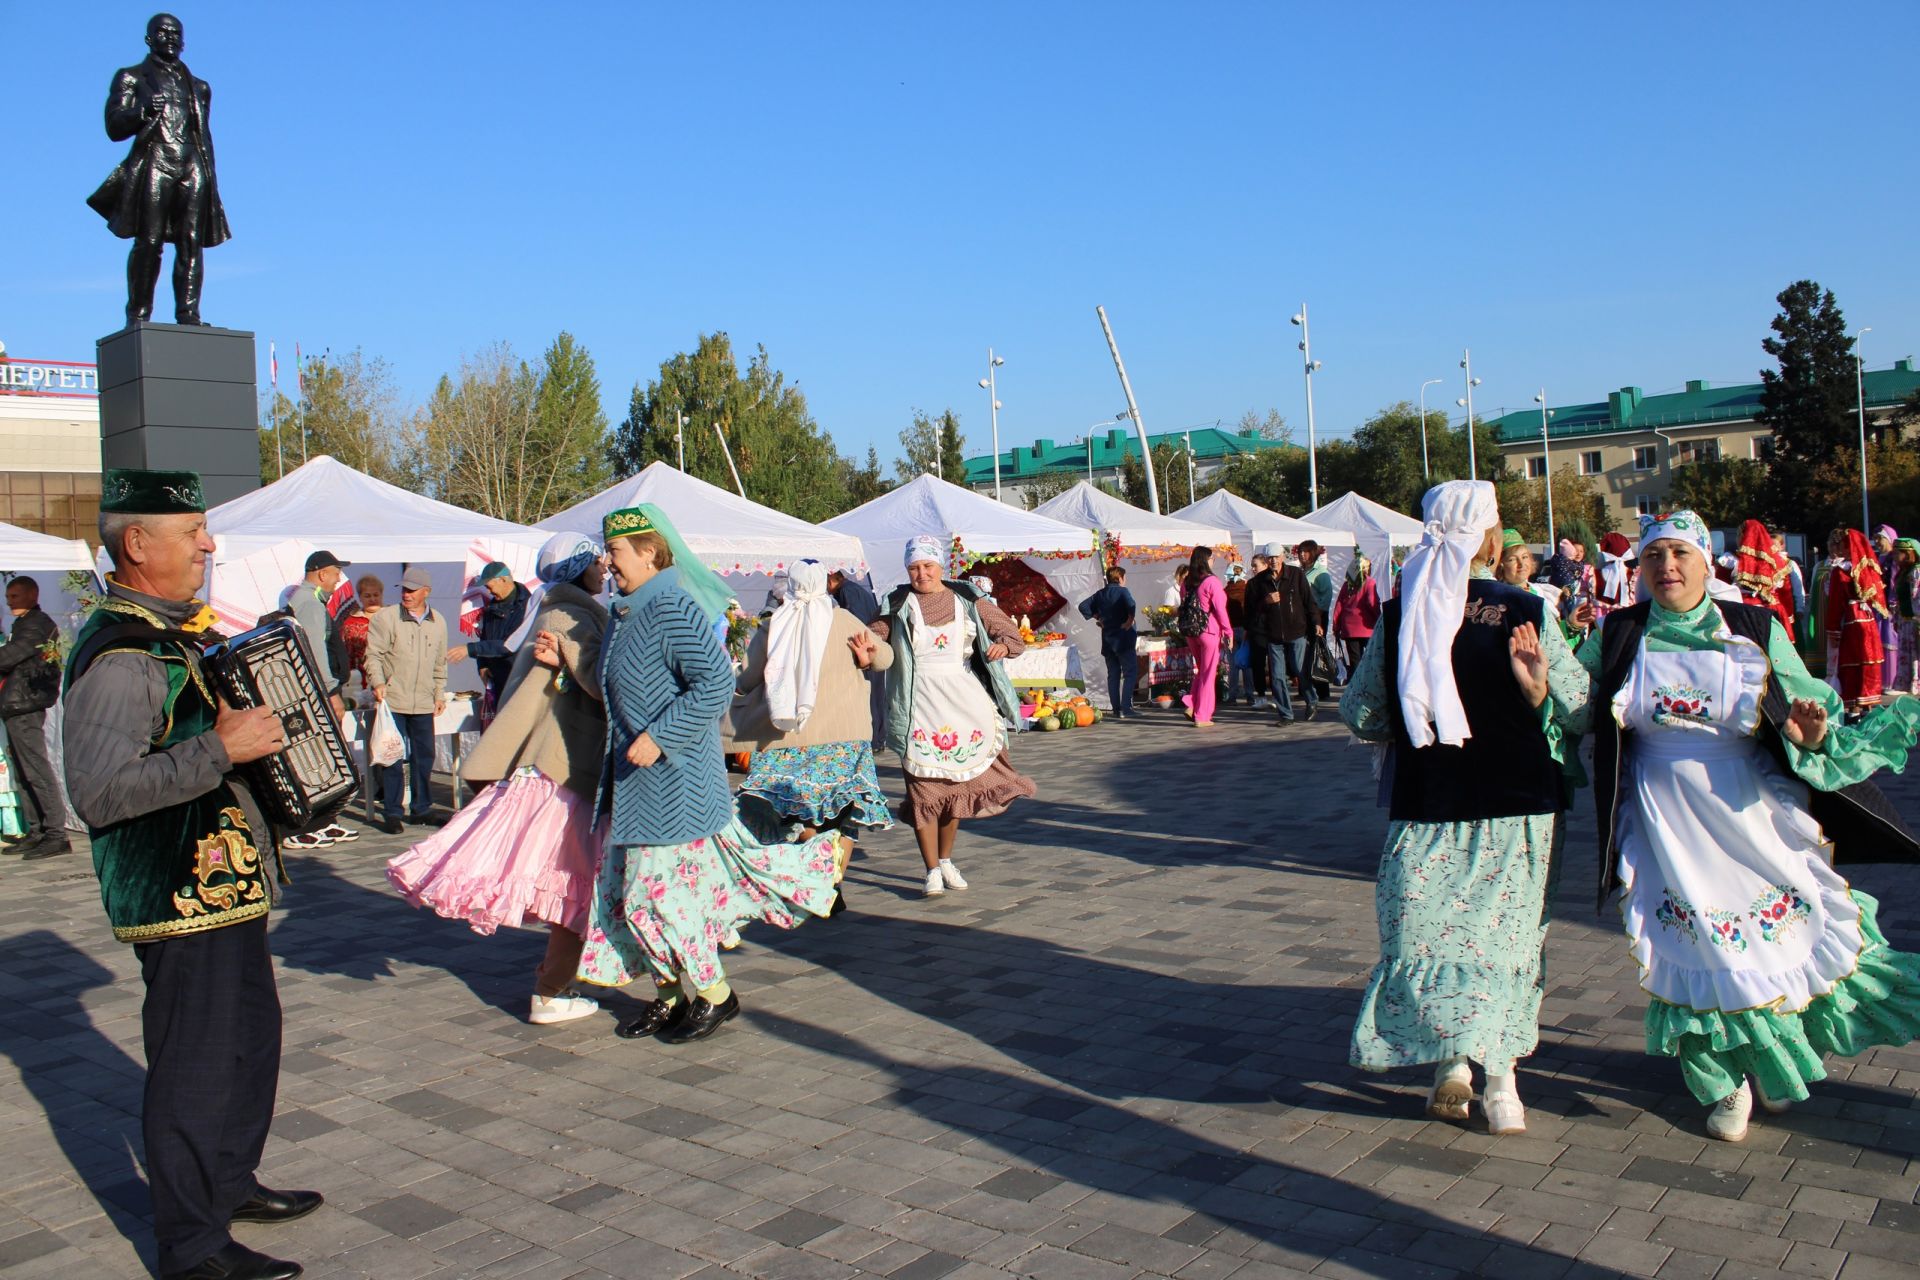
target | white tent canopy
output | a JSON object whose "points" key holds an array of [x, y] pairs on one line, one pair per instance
{"points": [[981, 527], [732, 535], [1357, 515], [24, 551], [262, 540], [1087, 507], [1253, 525]]}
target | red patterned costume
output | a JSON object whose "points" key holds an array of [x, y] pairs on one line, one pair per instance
{"points": [[1856, 601]]}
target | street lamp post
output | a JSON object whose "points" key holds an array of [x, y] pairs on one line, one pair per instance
{"points": [[1426, 467], [1860, 390], [1309, 365], [993, 399], [1546, 460], [1473, 464], [680, 441]]}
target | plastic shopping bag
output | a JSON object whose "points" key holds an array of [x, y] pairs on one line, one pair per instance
{"points": [[386, 745]]}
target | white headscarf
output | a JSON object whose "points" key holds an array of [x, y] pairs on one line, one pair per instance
{"points": [[1433, 600], [924, 546], [797, 637], [563, 557]]}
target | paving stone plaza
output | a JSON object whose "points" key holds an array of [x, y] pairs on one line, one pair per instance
{"points": [[1121, 1053]]}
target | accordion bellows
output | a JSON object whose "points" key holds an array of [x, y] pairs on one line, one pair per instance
{"points": [[271, 667]]}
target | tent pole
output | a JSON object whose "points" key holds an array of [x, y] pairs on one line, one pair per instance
{"points": [[736, 471], [1133, 411]]}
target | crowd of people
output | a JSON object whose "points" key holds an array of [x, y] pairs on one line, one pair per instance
{"points": [[1728, 781]]}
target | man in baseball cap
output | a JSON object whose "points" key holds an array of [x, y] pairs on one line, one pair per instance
{"points": [[407, 670]]}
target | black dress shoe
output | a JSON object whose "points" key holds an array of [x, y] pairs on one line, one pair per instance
{"points": [[702, 1020], [268, 1205], [389, 825], [49, 845], [237, 1262], [839, 903], [655, 1017]]}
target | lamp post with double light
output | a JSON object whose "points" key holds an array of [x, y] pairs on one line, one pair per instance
{"points": [[1860, 390], [1546, 460], [1426, 467], [993, 400], [1473, 463], [1309, 365]]}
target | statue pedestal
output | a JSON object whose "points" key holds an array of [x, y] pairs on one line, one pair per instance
{"points": [[176, 396]]}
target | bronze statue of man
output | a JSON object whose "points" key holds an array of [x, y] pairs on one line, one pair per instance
{"points": [[164, 192]]}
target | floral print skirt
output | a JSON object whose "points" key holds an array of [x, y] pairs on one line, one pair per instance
{"points": [[662, 910], [814, 786], [1463, 910]]}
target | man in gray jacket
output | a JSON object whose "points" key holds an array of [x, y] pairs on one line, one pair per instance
{"points": [[29, 684], [407, 670]]}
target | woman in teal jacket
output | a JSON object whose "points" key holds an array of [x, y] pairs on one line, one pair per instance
{"points": [[681, 872]]}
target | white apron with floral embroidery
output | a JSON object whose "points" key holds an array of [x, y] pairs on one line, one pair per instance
{"points": [[1730, 903], [955, 731]]}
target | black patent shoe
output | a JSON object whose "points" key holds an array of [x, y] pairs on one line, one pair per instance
{"points": [[268, 1205], [237, 1262], [702, 1020], [655, 1017], [839, 903]]}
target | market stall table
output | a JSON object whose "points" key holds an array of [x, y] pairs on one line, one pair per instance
{"points": [[461, 717], [1054, 666], [1163, 660]]}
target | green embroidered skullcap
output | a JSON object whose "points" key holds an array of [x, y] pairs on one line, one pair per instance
{"points": [[133, 492], [1511, 538], [708, 589]]}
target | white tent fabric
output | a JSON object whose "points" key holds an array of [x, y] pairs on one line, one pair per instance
{"points": [[1149, 574], [980, 526], [378, 528], [1253, 525], [741, 540], [1376, 529]]}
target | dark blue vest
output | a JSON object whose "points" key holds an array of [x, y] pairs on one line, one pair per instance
{"points": [[1505, 768]]}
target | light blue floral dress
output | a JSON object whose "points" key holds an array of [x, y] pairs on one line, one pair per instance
{"points": [[1463, 907]]}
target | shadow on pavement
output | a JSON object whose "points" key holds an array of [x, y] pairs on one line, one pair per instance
{"points": [[52, 1041]]}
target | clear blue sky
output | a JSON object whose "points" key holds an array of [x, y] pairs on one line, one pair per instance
{"points": [[1586, 195]]}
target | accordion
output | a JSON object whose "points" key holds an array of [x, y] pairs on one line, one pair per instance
{"points": [[271, 667]]}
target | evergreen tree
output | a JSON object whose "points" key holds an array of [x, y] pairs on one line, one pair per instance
{"points": [[953, 449], [1808, 403], [932, 446]]}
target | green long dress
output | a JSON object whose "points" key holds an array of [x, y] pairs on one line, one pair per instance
{"points": [[1463, 907], [1879, 1002]]}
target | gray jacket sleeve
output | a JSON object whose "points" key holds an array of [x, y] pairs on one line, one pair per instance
{"points": [[311, 613], [114, 713]]}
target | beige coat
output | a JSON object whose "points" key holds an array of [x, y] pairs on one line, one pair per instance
{"points": [[408, 659], [841, 711], [562, 734]]}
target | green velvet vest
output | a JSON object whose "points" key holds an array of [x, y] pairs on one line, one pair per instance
{"points": [[190, 866]]}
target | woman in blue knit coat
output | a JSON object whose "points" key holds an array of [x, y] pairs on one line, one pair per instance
{"points": [[681, 873]]}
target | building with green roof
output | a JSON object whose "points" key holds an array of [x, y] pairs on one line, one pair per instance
{"points": [[1631, 442], [1100, 457]]}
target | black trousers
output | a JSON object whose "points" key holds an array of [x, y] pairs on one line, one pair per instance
{"points": [[27, 744], [212, 1026], [418, 730]]}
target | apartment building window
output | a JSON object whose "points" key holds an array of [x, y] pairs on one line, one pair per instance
{"points": [[1645, 457], [1700, 451], [1760, 448], [1647, 505], [1590, 463], [1536, 468]]}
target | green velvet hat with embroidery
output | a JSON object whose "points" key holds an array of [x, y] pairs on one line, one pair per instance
{"points": [[626, 522], [132, 492]]}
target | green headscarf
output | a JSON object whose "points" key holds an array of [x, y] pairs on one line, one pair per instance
{"points": [[1357, 571], [708, 589], [1511, 538]]}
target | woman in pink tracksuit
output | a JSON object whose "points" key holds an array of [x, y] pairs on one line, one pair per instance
{"points": [[1207, 645]]}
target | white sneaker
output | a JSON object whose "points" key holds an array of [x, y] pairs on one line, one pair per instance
{"points": [[951, 874], [305, 840], [1501, 1103], [1452, 1090], [564, 1007], [1728, 1119], [936, 884], [338, 834], [731, 941], [1771, 1106]]}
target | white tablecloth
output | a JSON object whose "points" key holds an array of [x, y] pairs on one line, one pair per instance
{"points": [[1055, 667]]}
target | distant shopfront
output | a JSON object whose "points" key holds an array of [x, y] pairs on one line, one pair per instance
{"points": [[50, 446]]}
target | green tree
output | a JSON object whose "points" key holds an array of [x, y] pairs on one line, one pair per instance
{"points": [[1579, 508], [1724, 491], [569, 447], [1808, 403], [1270, 427], [863, 484], [785, 460], [1169, 473], [350, 410], [1048, 485], [932, 446]]}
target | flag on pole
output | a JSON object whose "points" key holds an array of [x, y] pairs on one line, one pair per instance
{"points": [[273, 366]]}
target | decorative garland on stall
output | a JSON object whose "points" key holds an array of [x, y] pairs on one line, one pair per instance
{"points": [[1112, 550]]}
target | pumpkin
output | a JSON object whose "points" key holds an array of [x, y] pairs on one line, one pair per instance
{"points": [[1049, 723]]}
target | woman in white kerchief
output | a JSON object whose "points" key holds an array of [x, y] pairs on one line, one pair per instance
{"points": [[802, 709], [949, 705], [1757, 957], [1461, 680]]}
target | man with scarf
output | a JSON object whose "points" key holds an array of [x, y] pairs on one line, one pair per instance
{"points": [[187, 869], [1464, 684]]}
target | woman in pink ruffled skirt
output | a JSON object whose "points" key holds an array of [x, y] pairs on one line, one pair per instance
{"points": [[524, 850]]}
